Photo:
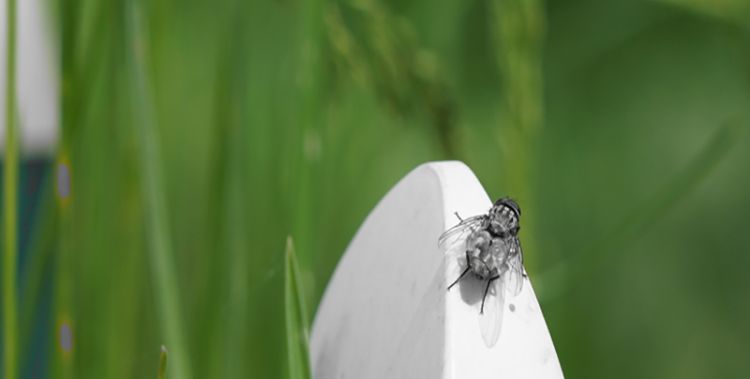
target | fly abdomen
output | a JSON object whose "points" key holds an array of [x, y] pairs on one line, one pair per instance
{"points": [[479, 267]]}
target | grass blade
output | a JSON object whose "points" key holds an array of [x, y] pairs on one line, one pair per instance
{"points": [[162, 267], [41, 244], [162, 362], [518, 32], [297, 331], [10, 206]]}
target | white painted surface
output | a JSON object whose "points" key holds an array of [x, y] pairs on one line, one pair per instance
{"points": [[386, 312], [37, 78]]}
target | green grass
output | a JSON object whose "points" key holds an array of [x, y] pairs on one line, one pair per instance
{"points": [[159, 237], [162, 362], [296, 317], [40, 250], [643, 216], [10, 204], [201, 135]]}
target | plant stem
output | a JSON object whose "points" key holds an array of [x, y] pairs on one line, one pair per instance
{"points": [[297, 333], [162, 362], [41, 243], [519, 36], [160, 245], [10, 321]]}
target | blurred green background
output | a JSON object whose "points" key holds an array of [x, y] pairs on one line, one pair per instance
{"points": [[199, 134]]}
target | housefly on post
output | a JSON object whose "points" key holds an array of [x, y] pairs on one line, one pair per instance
{"points": [[487, 247]]}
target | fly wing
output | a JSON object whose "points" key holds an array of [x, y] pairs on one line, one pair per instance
{"points": [[491, 320], [456, 236], [515, 272], [453, 244]]}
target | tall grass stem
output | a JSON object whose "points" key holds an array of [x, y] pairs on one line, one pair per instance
{"points": [[10, 206], [296, 318], [519, 27], [157, 225], [162, 362]]}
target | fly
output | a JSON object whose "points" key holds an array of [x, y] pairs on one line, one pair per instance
{"points": [[487, 247]]}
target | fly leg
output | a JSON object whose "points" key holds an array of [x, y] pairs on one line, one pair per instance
{"points": [[468, 266], [459, 278], [459, 217], [486, 289]]}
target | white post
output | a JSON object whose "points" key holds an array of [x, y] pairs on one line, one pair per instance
{"points": [[386, 312], [37, 79]]}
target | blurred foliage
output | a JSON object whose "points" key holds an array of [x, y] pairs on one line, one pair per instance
{"points": [[621, 127]]}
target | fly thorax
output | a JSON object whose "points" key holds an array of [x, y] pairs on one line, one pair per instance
{"points": [[503, 221], [503, 227]]}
